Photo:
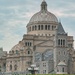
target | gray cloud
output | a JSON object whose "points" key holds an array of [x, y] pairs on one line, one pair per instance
{"points": [[15, 14]]}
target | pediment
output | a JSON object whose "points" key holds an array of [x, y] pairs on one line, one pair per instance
{"points": [[46, 43]]}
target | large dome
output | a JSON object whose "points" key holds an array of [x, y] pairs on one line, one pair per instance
{"points": [[46, 16], [43, 15], [42, 22]]}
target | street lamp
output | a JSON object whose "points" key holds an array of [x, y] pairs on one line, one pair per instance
{"points": [[33, 69]]}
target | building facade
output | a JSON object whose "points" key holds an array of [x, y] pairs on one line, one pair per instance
{"points": [[46, 38]]}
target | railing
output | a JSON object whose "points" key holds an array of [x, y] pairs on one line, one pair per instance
{"points": [[13, 73]]}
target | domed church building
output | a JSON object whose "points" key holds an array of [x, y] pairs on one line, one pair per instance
{"points": [[46, 44]]}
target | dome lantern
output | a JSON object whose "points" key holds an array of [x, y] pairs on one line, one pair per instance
{"points": [[44, 6]]}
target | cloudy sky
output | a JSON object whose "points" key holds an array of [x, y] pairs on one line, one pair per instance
{"points": [[15, 14]]}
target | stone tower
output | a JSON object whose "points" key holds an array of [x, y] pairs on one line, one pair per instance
{"points": [[60, 48]]}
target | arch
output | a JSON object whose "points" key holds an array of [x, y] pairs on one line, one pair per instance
{"points": [[35, 27], [48, 27], [63, 42], [49, 35], [29, 28], [57, 69], [15, 67], [63, 69], [12, 51], [58, 41], [28, 52], [16, 51], [45, 27], [45, 34], [0, 66], [52, 28], [64, 52], [0, 70], [25, 43], [41, 27], [30, 44], [10, 67], [38, 27], [32, 28]]}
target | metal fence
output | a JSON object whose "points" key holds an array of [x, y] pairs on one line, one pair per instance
{"points": [[13, 73]]}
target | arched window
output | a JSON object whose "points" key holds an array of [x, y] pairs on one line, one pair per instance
{"points": [[15, 67], [59, 53], [45, 27], [32, 28], [57, 70], [9, 51], [41, 27], [4, 64], [48, 27], [25, 43], [62, 69], [0, 68], [10, 67], [52, 28], [45, 34], [28, 52], [64, 60], [63, 42], [59, 42], [13, 52], [49, 34], [30, 43], [35, 27], [27, 29], [16, 51]]}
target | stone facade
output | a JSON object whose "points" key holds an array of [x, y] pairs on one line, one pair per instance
{"points": [[3, 55], [46, 42]]}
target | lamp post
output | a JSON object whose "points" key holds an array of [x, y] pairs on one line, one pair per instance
{"points": [[33, 69]]}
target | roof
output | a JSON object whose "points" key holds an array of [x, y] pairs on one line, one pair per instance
{"points": [[61, 63], [43, 15], [60, 29]]}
